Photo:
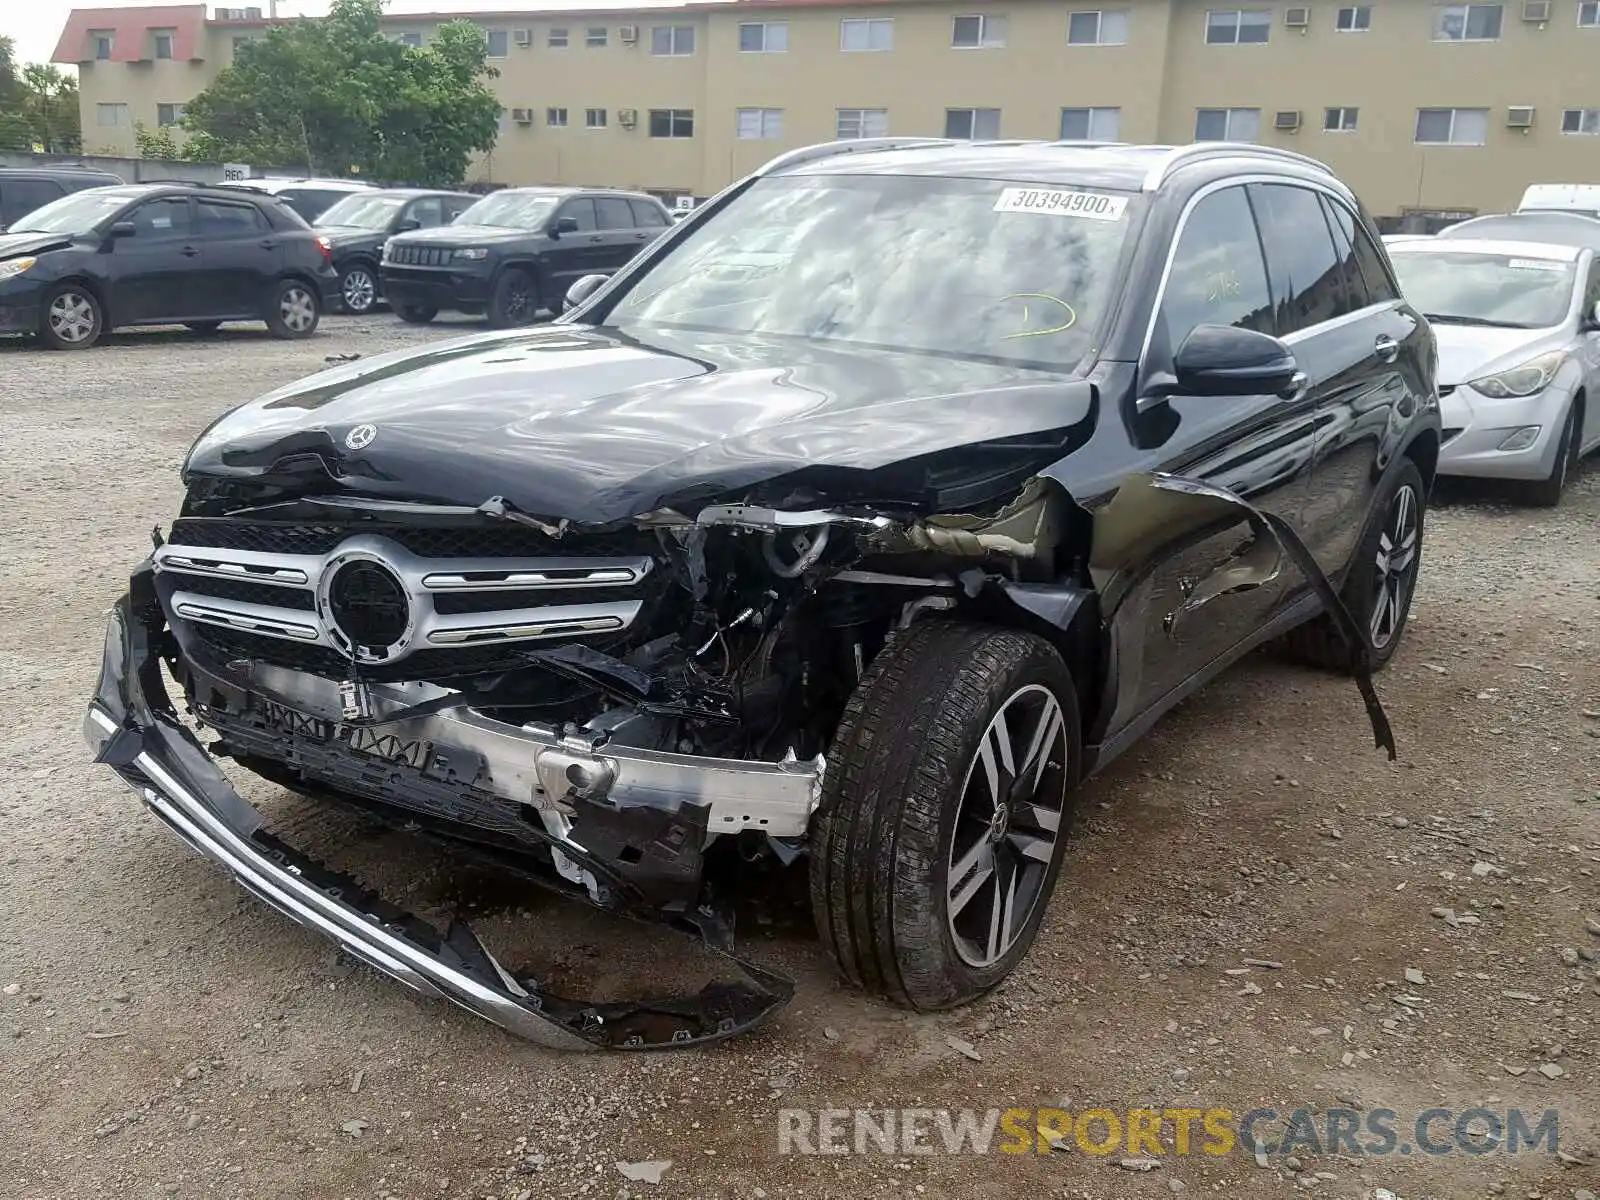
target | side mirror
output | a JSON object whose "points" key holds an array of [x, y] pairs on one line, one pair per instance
{"points": [[124, 229], [408, 225], [582, 290], [1224, 360], [564, 225]]}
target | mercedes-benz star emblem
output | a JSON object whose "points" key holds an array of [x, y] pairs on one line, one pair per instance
{"points": [[361, 437]]}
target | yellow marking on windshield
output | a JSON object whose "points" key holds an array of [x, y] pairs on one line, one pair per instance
{"points": [[1072, 315]]}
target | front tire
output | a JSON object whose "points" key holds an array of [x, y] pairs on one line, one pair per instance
{"points": [[294, 310], [358, 289], [944, 813], [1381, 582], [1546, 493], [71, 318], [515, 299]]}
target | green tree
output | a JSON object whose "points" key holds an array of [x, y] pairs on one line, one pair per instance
{"points": [[38, 106], [155, 143], [335, 95]]}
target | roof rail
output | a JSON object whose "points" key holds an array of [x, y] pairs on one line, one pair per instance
{"points": [[1181, 155], [821, 150], [177, 182]]}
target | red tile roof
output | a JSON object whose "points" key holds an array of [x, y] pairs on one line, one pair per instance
{"points": [[130, 29]]}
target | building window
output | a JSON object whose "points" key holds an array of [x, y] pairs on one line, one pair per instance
{"points": [[595, 37], [594, 118], [1097, 28], [1238, 26], [1580, 120], [1339, 120], [163, 41], [764, 37], [1090, 124], [1466, 22], [1452, 126], [672, 40], [760, 123], [556, 39], [1589, 14], [1227, 124], [978, 33], [672, 122], [502, 123], [110, 116], [169, 114], [104, 43], [556, 118], [854, 123], [972, 124], [1354, 20], [876, 33], [498, 43], [414, 40]]}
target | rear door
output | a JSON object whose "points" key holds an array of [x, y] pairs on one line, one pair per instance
{"points": [[651, 219], [614, 216], [242, 257], [151, 273], [19, 197]]}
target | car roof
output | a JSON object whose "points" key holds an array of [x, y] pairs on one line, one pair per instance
{"points": [[1507, 246], [57, 173], [1561, 228], [555, 191], [276, 184], [1118, 165]]}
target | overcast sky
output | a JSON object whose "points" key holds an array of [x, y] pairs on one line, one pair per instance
{"points": [[36, 24]]}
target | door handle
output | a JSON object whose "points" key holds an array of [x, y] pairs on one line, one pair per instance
{"points": [[189, 251], [641, 237], [596, 238], [1386, 348], [269, 244]]}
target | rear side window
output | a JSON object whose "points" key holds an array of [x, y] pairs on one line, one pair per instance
{"points": [[310, 203], [613, 212], [1370, 275], [647, 215], [221, 219], [1217, 276], [1307, 283], [19, 197]]}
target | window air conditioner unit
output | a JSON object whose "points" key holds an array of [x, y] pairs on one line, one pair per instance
{"points": [[1288, 121], [524, 37], [522, 116], [1536, 12], [1519, 116], [252, 14], [628, 34], [230, 14], [1297, 18], [627, 117]]}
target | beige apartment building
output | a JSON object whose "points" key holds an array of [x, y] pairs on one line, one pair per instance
{"points": [[1420, 106]]}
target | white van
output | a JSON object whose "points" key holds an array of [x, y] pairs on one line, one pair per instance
{"points": [[1581, 198]]}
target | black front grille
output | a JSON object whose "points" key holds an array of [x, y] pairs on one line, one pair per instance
{"points": [[425, 541], [453, 663], [421, 256], [246, 592]]}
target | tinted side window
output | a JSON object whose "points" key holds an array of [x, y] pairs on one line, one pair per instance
{"points": [[1355, 288], [162, 218], [19, 197], [613, 212], [428, 212], [1307, 287], [1217, 276], [647, 216], [1374, 276], [581, 211], [220, 219], [310, 203]]}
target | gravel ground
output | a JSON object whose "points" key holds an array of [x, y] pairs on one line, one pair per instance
{"points": [[161, 1033]]}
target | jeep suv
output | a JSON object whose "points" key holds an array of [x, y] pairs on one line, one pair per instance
{"points": [[848, 529], [358, 226], [517, 251]]}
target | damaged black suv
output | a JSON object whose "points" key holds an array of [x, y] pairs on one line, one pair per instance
{"points": [[851, 526]]}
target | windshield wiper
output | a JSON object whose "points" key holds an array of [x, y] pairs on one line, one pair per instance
{"points": [[1455, 319]]}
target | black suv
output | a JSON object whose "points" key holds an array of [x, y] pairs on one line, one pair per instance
{"points": [[848, 529], [24, 189], [517, 251], [357, 226], [161, 254]]}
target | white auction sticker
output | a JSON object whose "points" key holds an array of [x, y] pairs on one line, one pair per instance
{"points": [[1536, 264], [1062, 203]]}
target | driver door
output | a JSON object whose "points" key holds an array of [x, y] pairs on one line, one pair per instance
{"points": [[153, 271]]}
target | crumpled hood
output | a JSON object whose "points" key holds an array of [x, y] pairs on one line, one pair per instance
{"points": [[1468, 352], [13, 245], [595, 426], [463, 235]]}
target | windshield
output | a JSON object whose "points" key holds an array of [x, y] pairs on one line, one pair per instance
{"points": [[975, 268], [363, 212], [74, 214], [1458, 287], [514, 210]]}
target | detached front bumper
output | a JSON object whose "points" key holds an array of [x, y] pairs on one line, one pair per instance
{"points": [[132, 728]]}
